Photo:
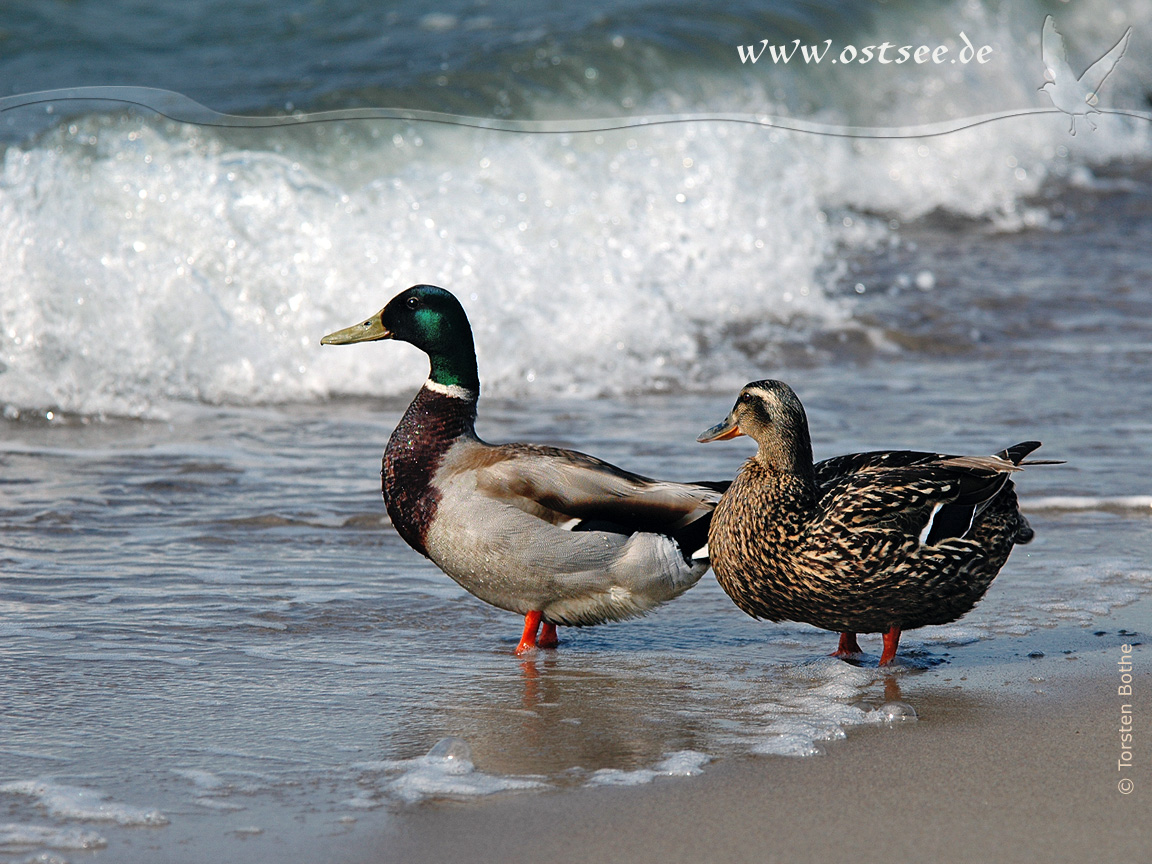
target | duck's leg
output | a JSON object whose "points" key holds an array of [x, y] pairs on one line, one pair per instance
{"points": [[891, 643], [548, 638], [848, 647], [531, 625]]}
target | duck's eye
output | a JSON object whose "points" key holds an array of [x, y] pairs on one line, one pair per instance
{"points": [[412, 302]]}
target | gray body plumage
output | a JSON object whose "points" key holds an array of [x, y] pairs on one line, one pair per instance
{"points": [[507, 530]]}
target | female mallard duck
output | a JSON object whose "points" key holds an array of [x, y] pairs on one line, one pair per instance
{"points": [[555, 535], [864, 543]]}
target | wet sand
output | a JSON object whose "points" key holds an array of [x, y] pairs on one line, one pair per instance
{"points": [[992, 771], [1014, 758]]}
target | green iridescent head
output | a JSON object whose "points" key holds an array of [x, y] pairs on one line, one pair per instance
{"points": [[433, 320]]}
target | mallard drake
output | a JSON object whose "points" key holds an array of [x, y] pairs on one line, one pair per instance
{"points": [[555, 535], [869, 542]]}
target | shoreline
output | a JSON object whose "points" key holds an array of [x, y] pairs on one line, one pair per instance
{"points": [[1014, 758], [990, 772]]}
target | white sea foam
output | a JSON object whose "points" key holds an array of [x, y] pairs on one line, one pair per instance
{"points": [[145, 261], [950, 634], [86, 805], [363, 800], [212, 790], [191, 270], [16, 836], [222, 805], [1116, 503], [444, 771], [796, 724], [684, 763], [788, 744]]}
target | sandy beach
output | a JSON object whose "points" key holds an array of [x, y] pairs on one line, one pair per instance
{"points": [[1014, 758], [1008, 774]]}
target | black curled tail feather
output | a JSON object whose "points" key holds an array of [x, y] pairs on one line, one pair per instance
{"points": [[1024, 532], [1017, 452], [714, 485], [693, 537]]}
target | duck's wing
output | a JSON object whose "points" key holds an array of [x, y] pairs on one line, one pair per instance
{"points": [[577, 491], [933, 496], [839, 467], [930, 500]]}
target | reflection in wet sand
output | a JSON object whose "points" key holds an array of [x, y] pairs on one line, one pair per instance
{"points": [[561, 720]]}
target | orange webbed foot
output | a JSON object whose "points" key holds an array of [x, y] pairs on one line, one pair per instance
{"points": [[848, 646], [891, 643], [531, 625], [548, 638]]}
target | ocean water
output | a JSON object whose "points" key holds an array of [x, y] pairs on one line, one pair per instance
{"points": [[212, 639]]}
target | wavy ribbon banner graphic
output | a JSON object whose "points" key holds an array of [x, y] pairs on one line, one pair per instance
{"points": [[181, 109]]}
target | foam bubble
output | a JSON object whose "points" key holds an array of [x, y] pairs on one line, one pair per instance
{"points": [[828, 701], [803, 723], [897, 712], [452, 751]]}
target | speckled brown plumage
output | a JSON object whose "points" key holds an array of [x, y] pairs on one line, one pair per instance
{"points": [[844, 545], [781, 555]]}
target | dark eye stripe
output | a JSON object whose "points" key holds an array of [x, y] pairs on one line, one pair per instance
{"points": [[751, 397]]}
